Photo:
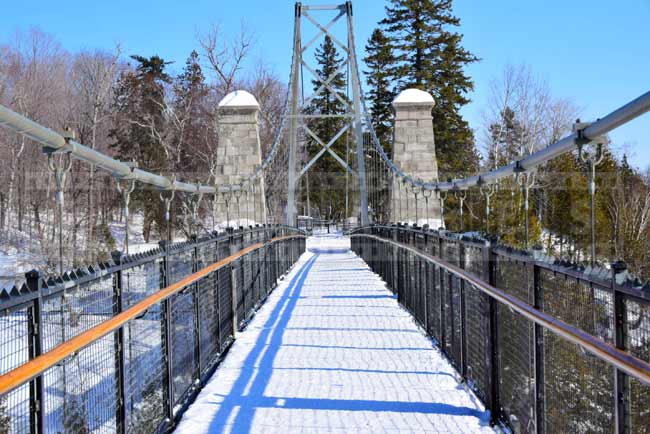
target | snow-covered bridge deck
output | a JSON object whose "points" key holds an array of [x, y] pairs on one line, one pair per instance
{"points": [[332, 352]]}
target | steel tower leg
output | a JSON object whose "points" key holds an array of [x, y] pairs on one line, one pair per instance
{"points": [[358, 122], [291, 211]]}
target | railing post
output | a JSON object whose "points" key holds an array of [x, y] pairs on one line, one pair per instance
{"points": [[35, 331], [441, 278], [120, 403], [197, 310], [621, 381], [463, 315], [493, 347], [427, 283], [538, 341], [166, 320], [233, 289]]}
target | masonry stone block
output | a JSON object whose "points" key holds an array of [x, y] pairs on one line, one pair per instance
{"points": [[238, 155], [414, 151]]}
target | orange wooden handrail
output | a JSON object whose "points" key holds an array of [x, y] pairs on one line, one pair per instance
{"points": [[35, 367]]}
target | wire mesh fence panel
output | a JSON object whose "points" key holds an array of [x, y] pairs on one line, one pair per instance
{"points": [[456, 329], [80, 392], [433, 303], [451, 251], [401, 273], [516, 346], [409, 290], [238, 284], [208, 303], [578, 389], [140, 281], [223, 248], [249, 302], [421, 292], [255, 269], [447, 313], [474, 262], [225, 306], [84, 392], [14, 351], [206, 254], [180, 265], [514, 277], [516, 370], [577, 392], [183, 342], [579, 303], [272, 264], [478, 350], [144, 374], [15, 410], [637, 331], [77, 309]]}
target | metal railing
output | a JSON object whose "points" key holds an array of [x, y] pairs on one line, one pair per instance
{"points": [[547, 347], [126, 346], [323, 225]]}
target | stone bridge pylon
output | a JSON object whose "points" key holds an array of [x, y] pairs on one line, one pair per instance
{"points": [[414, 152], [239, 152]]}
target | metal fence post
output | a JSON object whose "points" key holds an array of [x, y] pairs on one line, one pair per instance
{"points": [[233, 289], [493, 347], [538, 341], [463, 315], [197, 310], [35, 331], [120, 404], [441, 278], [166, 319], [621, 381]]}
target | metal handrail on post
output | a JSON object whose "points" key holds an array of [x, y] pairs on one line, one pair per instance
{"points": [[91, 346], [545, 321]]}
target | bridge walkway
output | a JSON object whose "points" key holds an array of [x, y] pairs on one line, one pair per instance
{"points": [[331, 351]]}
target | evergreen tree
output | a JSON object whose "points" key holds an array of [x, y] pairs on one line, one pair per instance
{"points": [[505, 138], [326, 185], [379, 61], [429, 56], [190, 91], [139, 110]]}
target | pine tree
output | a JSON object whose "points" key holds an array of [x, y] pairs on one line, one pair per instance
{"points": [[505, 138], [138, 104], [326, 185], [190, 91], [379, 61], [429, 56]]}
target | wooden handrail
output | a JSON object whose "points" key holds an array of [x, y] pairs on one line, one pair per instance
{"points": [[35, 367], [626, 362]]}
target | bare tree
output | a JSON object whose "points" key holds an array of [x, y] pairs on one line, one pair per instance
{"points": [[93, 76], [540, 117], [226, 56]]}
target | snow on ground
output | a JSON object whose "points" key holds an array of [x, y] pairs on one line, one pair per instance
{"points": [[332, 351]]}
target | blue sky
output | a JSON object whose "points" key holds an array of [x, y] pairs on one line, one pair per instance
{"points": [[595, 52]]}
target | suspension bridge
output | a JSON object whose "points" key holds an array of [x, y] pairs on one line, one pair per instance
{"points": [[376, 326]]}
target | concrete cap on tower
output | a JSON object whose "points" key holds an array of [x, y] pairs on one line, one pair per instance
{"points": [[414, 97], [239, 99]]}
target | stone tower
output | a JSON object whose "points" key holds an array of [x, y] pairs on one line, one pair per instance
{"points": [[238, 155], [414, 152]]}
